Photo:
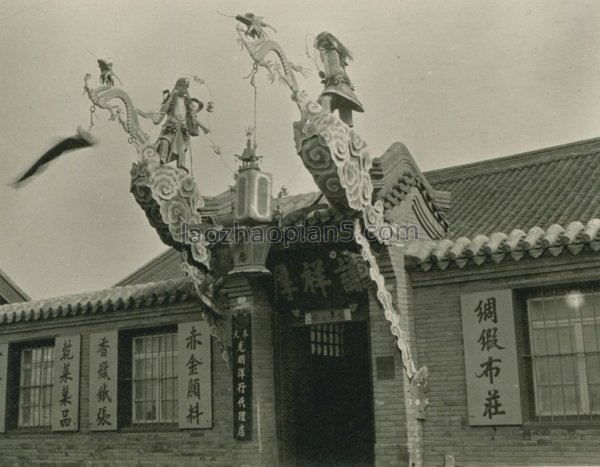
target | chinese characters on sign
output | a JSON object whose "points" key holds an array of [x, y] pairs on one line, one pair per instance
{"points": [[3, 372], [103, 381], [65, 393], [491, 358], [309, 279], [241, 343], [329, 316], [194, 382]]}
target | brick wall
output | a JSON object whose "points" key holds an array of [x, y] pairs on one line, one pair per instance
{"points": [[162, 446], [440, 345], [263, 449], [397, 432]]}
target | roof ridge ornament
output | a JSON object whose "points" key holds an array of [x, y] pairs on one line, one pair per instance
{"points": [[167, 192], [336, 156]]}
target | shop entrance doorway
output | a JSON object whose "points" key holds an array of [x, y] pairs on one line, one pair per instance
{"points": [[333, 403]]}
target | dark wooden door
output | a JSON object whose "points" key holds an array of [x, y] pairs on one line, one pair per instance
{"points": [[333, 398]]}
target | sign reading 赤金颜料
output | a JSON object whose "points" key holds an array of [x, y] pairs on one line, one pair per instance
{"points": [[194, 375]]}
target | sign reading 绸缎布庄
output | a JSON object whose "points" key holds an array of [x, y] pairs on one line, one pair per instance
{"points": [[194, 375], [491, 358], [103, 381], [65, 390], [241, 343]]}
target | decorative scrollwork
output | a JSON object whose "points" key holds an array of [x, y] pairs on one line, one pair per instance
{"points": [[417, 377], [339, 161]]}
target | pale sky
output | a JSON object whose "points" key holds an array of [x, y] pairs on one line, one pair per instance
{"points": [[456, 81]]}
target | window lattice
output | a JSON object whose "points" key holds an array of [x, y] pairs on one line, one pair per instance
{"points": [[327, 340], [155, 378], [35, 386], [564, 331]]}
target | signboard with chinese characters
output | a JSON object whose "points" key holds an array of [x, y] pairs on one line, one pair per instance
{"points": [[3, 373], [103, 381], [65, 389], [491, 358], [194, 371], [309, 279], [241, 347], [328, 316]]}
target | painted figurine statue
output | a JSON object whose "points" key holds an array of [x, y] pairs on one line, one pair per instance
{"points": [[182, 121], [339, 91]]}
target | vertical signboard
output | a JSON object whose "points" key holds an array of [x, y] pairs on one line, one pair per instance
{"points": [[3, 373], [241, 344], [103, 381], [65, 389], [194, 370], [491, 358]]}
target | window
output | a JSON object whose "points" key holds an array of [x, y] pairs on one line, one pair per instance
{"points": [[327, 340], [154, 378], [35, 386], [29, 384], [564, 340]]}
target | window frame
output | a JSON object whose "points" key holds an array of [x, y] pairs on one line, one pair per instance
{"points": [[13, 385], [125, 394], [529, 398], [327, 340]]}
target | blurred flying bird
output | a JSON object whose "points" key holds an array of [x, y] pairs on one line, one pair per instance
{"points": [[82, 139]]}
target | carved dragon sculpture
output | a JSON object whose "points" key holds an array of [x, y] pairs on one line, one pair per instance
{"points": [[260, 46], [103, 95]]}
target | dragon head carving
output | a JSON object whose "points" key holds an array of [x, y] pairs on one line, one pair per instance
{"points": [[255, 26]]}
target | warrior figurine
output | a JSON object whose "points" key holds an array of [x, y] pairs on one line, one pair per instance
{"points": [[339, 91], [182, 122]]}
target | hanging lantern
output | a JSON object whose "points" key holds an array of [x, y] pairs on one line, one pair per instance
{"points": [[253, 187], [253, 206], [253, 197], [250, 257]]}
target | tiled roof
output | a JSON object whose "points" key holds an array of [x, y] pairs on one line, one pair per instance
{"points": [[288, 204], [390, 172], [165, 266], [9, 291], [558, 185], [499, 246], [220, 208], [531, 191], [113, 299]]}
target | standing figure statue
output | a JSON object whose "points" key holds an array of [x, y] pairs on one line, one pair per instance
{"points": [[182, 121], [339, 91]]}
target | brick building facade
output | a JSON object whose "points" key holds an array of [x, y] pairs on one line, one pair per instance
{"points": [[311, 374]]}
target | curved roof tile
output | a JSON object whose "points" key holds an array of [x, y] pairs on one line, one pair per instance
{"points": [[113, 299], [517, 244]]}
